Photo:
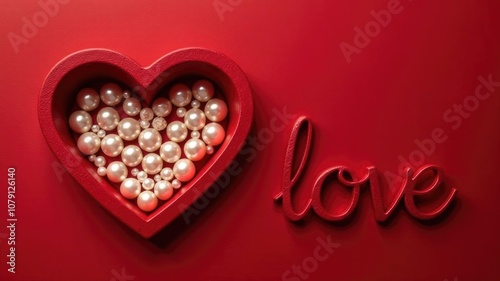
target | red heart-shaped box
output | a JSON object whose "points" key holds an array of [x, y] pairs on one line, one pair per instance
{"points": [[73, 72]]}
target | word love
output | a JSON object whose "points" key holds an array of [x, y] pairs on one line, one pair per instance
{"points": [[411, 188]]}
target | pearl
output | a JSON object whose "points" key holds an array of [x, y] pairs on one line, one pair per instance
{"points": [[126, 94], [144, 124], [150, 140], [112, 145], [141, 176], [101, 171], [101, 133], [111, 94], [80, 121], [147, 114], [152, 163], [95, 128], [132, 106], [88, 143], [216, 110], [92, 158], [163, 190], [210, 149], [195, 134], [194, 119], [157, 177], [134, 171], [203, 90], [167, 174], [194, 149], [117, 171], [129, 129], [180, 95], [161, 107], [147, 201], [108, 118], [159, 123], [148, 184], [170, 152], [181, 111], [184, 170], [177, 131], [176, 184], [100, 161], [132, 156], [130, 188], [213, 134], [195, 104], [87, 99]]}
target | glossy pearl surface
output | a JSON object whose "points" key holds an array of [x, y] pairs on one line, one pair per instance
{"points": [[112, 145], [147, 201], [88, 143], [184, 170], [88, 99], [80, 121], [167, 174], [111, 94], [163, 190], [129, 129], [177, 131], [161, 107], [170, 152], [194, 119], [150, 140], [132, 106], [195, 149], [132, 155], [180, 95], [203, 90], [152, 163], [216, 110], [108, 118], [116, 171], [213, 134], [130, 188]]}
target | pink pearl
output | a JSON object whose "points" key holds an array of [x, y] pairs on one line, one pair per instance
{"points": [[147, 201], [203, 90], [180, 95]]}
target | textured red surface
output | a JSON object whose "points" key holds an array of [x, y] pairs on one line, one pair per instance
{"points": [[406, 83]]}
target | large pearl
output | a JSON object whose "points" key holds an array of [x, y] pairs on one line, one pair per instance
{"points": [[132, 155], [108, 118], [195, 149], [88, 143], [203, 90], [112, 145], [216, 110], [150, 140], [161, 107], [132, 106], [177, 131], [213, 134], [87, 99], [163, 190], [147, 201], [116, 171], [129, 129], [180, 95], [194, 119], [111, 94], [152, 163], [170, 152], [184, 170], [80, 121], [130, 188]]}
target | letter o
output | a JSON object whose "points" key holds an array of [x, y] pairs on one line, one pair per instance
{"points": [[310, 264], [419, 154], [43, 16], [372, 26], [471, 103], [266, 139]]}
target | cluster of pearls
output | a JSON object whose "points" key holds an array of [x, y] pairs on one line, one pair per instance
{"points": [[149, 157]]}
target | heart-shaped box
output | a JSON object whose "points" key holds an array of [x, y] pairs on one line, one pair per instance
{"points": [[77, 70]]}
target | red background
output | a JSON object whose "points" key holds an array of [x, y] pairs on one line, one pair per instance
{"points": [[367, 112]]}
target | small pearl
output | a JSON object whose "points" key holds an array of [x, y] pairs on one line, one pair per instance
{"points": [[150, 140], [180, 95], [108, 118], [216, 110], [195, 134], [88, 143], [195, 104], [87, 99], [210, 149], [195, 149], [213, 134], [132, 106], [161, 107], [126, 94], [184, 170], [101, 133], [144, 124], [141, 176], [147, 201], [134, 172], [167, 174], [159, 123], [203, 90], [92, 158], [101, 171], [163, 190], [181, 111], [177, 131], [100, 161], [152, 163], [157, 177], [111, 94], [95, 128], [132, 156], [176, 184], [116, 171], [170, 152], [130, 188], [129, 129], [112, 145], [147, 114], [80, 121], [148, 184], [194, 119]]}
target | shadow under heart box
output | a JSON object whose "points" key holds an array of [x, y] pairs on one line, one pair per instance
{"points": [[145, 142]]}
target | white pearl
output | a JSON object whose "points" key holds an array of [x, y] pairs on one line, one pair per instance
{"points": [[92, 158], [101, 171], [161, 107], [216, 110], [129, 129], [148, 184], [87, 99], [95, 128], [130, 188], [195, 104], [111, 94], [134, 171], [210, 149], [177, 131], [203, 90], [157, 177], [141, 176], [147, 114], [144, 124], [170, 152], [159, 123], [194, 149], [108, 118], [147, 201], [112, 145], [163, 190], [88, 143], [180, 95], [176, 184], [152, 163], [167, 174], [126, 94], [132, 106], [181, 111], [101, 133], [80, 121], [100, 161], [213, 134], [150, 140], [132, 156], [116, 171], [194, 119], [184, 170], [195, 134]]}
